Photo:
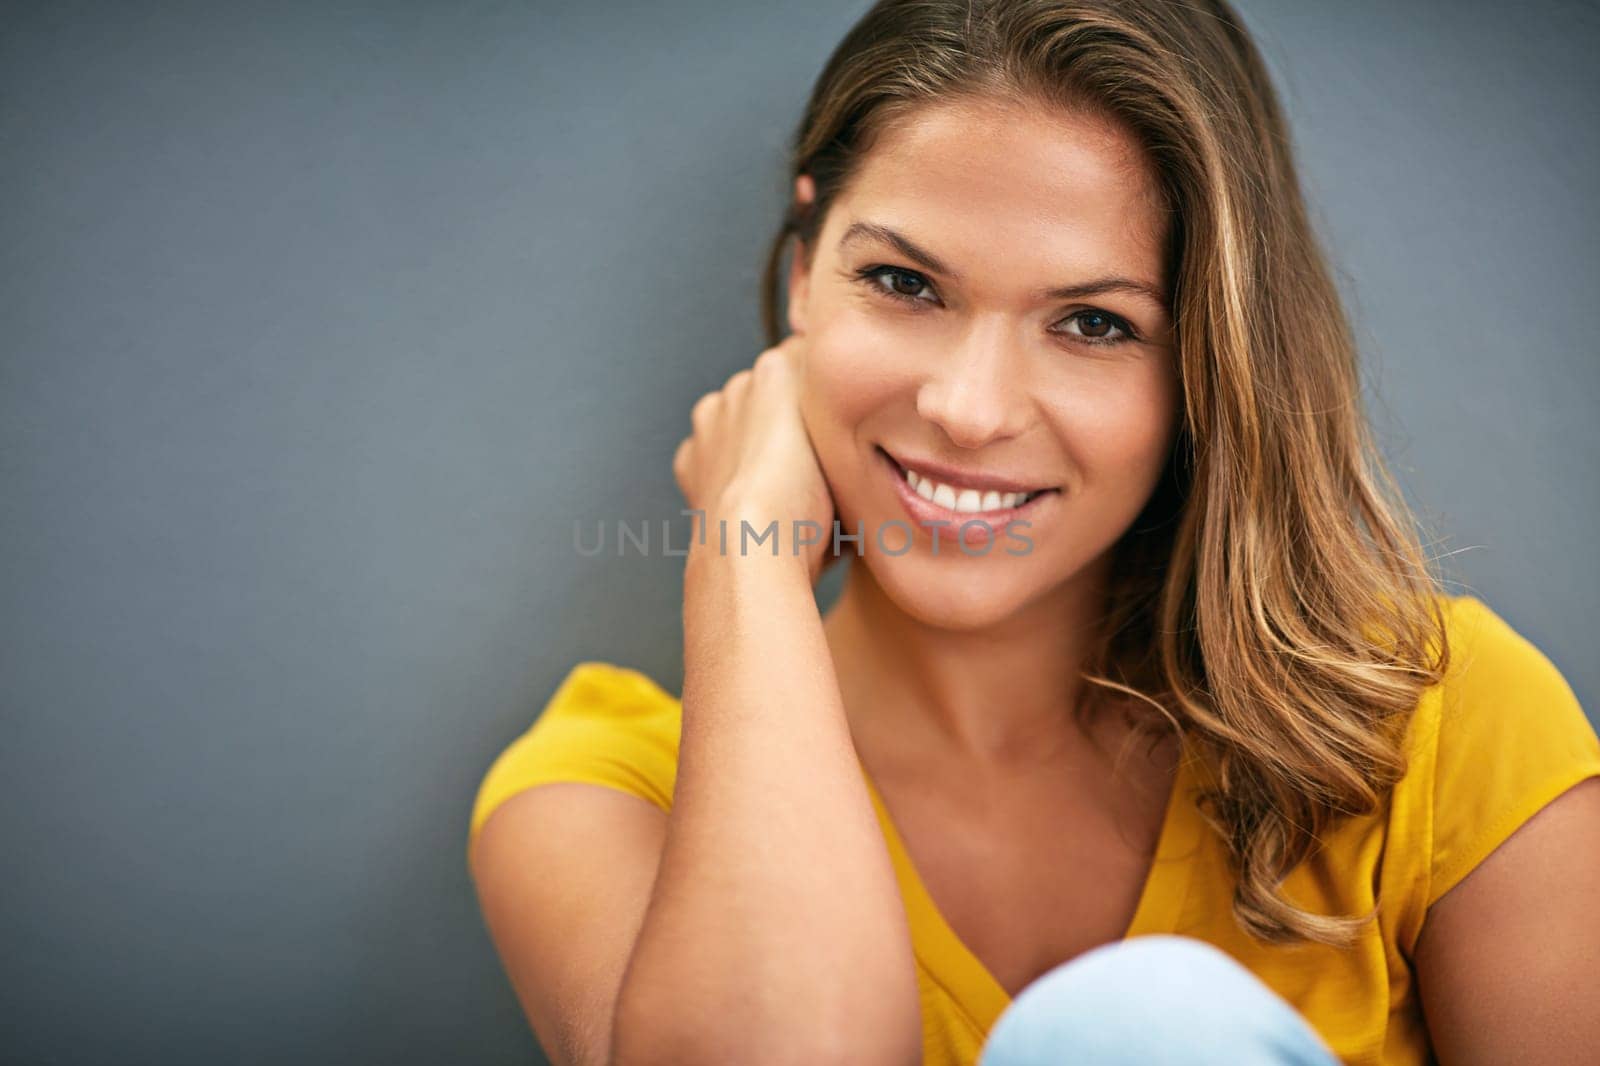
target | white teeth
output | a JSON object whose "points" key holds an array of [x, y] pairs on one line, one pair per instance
{"points": [[966, 501]]}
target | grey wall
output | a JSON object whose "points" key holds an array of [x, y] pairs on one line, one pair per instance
{"points": [[322, 322]]}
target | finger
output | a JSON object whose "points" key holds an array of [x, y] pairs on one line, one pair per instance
{"points": [[702, 409], [787, 351], [680, 464], [770, 360]]}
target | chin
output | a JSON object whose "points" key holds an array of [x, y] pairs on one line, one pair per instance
{"points": [[958, 592]]}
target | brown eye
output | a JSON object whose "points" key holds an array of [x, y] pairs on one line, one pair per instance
{"points": [[905, 284], [1094, 324], [1098, 327]]}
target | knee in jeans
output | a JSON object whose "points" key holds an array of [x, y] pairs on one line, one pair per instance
{"points": [[1174, 973], [1144, 996], [1162, 981]]}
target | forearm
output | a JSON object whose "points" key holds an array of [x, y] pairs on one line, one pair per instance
{"points": [[775, 930]]}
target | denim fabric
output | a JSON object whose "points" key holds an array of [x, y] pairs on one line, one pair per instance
{"points": [[1152, 1000]]}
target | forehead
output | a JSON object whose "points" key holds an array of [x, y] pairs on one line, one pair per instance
{"points": [[1007, 175]]}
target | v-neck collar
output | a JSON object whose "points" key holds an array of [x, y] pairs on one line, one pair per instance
{"points": [[951, 963]]}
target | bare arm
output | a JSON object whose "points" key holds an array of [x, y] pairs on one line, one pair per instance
{"points": [[1508, 960], [563, 873], [775, 931]]}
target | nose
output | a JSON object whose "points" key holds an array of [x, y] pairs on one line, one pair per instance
{"points": [[977, 394]]}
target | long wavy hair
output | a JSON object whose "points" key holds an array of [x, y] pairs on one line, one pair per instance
{"points": [[1272, 604]]}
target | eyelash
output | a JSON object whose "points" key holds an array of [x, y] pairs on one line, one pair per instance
{"points": [[869, 276]]}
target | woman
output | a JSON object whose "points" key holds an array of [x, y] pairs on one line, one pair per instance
{"points": [[1140, 731]]}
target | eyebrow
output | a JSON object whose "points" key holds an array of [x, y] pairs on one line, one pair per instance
{"points": [[860, 231]]}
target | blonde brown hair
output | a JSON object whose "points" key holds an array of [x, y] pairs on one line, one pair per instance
{"points": [[1273, 602]]}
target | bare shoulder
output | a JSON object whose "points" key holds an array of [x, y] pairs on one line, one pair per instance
{"points": [[564, 873]]}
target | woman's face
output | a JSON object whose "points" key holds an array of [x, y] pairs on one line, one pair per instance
{"points": [[949, 351]]}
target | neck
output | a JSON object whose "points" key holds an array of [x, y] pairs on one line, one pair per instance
{"points": [[997, 698]]}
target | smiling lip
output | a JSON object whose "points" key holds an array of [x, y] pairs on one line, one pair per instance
{"points": [[984, 525], [957, 478]]}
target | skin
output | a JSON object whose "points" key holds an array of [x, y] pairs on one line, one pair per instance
{"points": [[956, 667], [984, 373], [1506, 960]]}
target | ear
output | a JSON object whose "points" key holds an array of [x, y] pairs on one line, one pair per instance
{"points": [[805, 192]]}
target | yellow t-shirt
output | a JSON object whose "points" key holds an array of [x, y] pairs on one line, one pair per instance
{"points": [[1501, 737]]}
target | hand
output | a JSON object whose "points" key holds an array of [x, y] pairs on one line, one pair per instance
{"points": [[750, 457]]}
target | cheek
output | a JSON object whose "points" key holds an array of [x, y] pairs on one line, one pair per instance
{"points": [[1118, 429], [852, 371]]}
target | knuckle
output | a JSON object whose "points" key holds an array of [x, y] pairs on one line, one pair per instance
{"points": [[771, 361]]}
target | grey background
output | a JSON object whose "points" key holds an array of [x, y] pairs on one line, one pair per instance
{"points": [[321, 324]]}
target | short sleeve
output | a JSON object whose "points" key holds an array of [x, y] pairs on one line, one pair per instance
{"points": [[1511, 737], [605, 725]]}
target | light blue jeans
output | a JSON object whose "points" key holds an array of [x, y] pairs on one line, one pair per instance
{"points": [[1152, 1000]]}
